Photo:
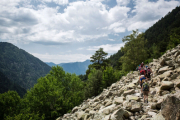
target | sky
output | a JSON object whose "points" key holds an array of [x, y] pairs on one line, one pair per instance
{"points": [[63, 31]]}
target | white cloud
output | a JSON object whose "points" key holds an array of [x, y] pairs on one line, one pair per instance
{"points": [[147, 13], [61, 58], [60, 2], [119, 29], [79, 22], [109, 48], [123, 2], [111, 39]]}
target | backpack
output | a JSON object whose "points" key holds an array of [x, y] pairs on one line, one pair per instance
{"points": [[145, 87], [142, 80], [148, 71], [142, 71]]}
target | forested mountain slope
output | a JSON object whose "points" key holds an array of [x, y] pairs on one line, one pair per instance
{"points": [[163, 35], [114, 59], [6, 84], [162, 31], [21, 67]]}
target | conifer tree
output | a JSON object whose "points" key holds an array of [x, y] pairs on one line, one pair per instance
{"points": [[99, 59]]}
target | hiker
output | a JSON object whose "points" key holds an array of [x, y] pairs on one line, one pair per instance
{"points": [[148, 73], [141, 81], [141, 66], [146, 90], [143, 72]]}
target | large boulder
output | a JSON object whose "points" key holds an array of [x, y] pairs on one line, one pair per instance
{"points": [[165, 74], [75, 109], [118, 114], [170, 107], [80, 115], [132, 97], [169, 63], [131, 86], [163, 69], [158, 117], [136, 107], [166, 85], [118, 100], [86, 105], [107, 110], [128, 92]]}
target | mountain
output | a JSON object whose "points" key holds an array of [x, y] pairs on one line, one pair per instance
{"points": [[6, 84], [75, 67], [21, 67], [50, 64], [161, 31], [114, 59], [158, 35]]}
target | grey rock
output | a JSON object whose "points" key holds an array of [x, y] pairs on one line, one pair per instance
{"points": [[166, 85], [128, 92]]}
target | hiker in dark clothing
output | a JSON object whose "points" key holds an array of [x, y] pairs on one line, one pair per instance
{"points": [[146, 90], [141, 81], [148, 73]]}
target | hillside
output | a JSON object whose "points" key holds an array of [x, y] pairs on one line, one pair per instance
{"points": [[21, 67], [114, 59], [163, 35], [6, 84], [122, 100], [161, 31], [75, 67]]}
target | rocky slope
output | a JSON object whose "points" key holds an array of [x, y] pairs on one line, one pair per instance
{"points": [[122, 100]]}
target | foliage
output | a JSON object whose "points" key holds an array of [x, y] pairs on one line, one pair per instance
{"points": [[94, 83], [155, 51], [134, 51], [114, 60], [54, 95], [174, 38], [21, 67], [6, 85], [160, 33], [109, 76], [9, 102], [83, 77], [99, 59]]}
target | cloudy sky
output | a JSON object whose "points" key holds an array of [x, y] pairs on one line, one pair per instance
{"points": [[63, 31]]}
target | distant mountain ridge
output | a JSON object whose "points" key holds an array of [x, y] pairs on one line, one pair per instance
{"points": [[21, 67], [75, 67]]}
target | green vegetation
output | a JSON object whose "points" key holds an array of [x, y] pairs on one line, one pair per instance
{"points": [[163, 35], [58, 92], [134, 51], [21, 67], [163, 32], [99, 59], [6, 84]]}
